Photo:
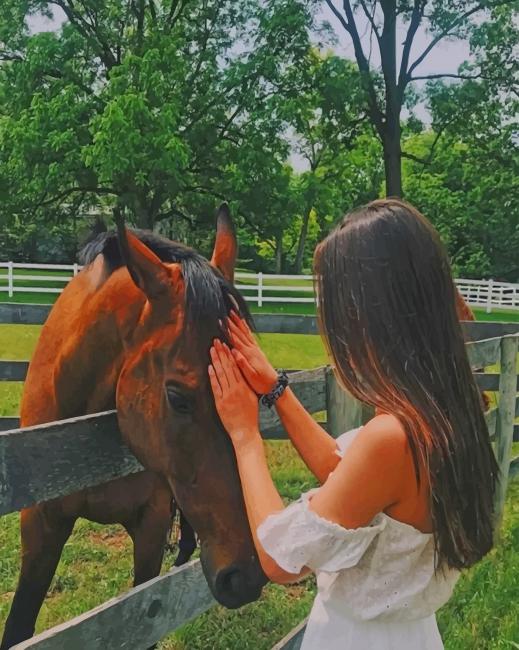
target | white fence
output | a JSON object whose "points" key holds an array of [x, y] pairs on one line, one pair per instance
{"points": [[259, 288]]}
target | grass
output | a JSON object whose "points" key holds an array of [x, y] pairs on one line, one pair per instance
{"points": [[484, 612], [497, 315], [10, 397], [293, 350], [97, 561], [17, 342], [304, 308]]}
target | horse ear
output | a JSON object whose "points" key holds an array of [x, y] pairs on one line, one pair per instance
{"points": [[145, 268], [225, 246]]}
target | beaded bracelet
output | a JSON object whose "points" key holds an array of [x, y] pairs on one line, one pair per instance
{"points": [[269, 399]]}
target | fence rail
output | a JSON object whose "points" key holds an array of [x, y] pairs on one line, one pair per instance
{"points": [[48, 460], [259, 288]]}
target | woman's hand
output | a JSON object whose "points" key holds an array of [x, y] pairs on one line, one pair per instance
{"points": [[236, 403], [254, 365]]}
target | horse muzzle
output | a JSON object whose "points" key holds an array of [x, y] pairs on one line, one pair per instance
{"points": [[235, 584]]}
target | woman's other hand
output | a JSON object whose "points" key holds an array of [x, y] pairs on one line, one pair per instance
{"points": [[256, 368], [236, 403]]}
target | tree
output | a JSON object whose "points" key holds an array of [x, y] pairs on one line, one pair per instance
{"points": [[470, 187], [386, 89], [268, 201], [141, 101], [327, 117]]}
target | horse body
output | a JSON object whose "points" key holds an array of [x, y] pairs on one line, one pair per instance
{"points": [[108, 344], [74, 371]]}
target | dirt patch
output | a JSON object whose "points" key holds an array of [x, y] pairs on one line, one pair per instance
{"points": [[296, 591], [6, 596], [116, 539]]}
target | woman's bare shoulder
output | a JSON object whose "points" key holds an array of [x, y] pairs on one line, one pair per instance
{"points": [[383, 433], [371, 477]]}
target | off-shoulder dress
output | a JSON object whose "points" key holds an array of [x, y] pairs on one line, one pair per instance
{"points": [[378, 587]]}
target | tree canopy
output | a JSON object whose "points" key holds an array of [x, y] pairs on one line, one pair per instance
{"points": [[166, 107]]}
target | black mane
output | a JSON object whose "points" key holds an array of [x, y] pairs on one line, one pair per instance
{"points": [[209, 296]]}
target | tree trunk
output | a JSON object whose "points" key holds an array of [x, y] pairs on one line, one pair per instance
{"points": [[302, 241], [279, 253], [393, 160], [144, 218], [392, 131]]}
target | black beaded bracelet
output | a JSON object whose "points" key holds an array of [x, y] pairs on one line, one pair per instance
{"points": [[269, 399]]}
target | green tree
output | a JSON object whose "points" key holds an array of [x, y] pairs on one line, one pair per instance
{"points": [[388, 87], [142, 101], [464, 172], [326, 117], [470, 188]]}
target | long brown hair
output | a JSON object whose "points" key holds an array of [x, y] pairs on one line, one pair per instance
{"points": [[387, 312]]}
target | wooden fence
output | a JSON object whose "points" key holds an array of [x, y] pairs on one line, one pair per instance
{"points": [[259, 288], [46, 461]]}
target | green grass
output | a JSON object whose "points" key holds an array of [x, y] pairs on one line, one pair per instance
{"points": [[484, 611], [17, 342], [29, 298], [307, 309], [299, 308], [293, 350], [276, 282], [97, 561], [501, 315], [33, 297], [10, 397]]}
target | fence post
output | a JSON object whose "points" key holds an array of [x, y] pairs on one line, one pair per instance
{"points": [[10, 279], [76, 269], [505, 419], [489, 295], [344, 411], [260, 289]]}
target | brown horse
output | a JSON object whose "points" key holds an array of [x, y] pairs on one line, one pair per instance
{"points": [[136, 337]]}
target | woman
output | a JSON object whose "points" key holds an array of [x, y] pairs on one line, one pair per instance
{"points": [[406, 501]]}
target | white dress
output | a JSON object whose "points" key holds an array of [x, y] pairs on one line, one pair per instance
{"points": [[377, 585]]}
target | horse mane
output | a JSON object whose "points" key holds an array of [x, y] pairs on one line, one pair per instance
{"points": [[208, 295]]}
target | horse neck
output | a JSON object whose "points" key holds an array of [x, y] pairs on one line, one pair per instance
{"points": [[81, 349]]}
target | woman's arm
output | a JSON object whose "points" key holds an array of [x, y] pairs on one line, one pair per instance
{"points": [[374, 474], [237, 406], [315, 446], [261, 500]]}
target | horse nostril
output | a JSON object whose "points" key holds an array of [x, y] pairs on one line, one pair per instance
{"points": [[230, 581], [236, 584]]}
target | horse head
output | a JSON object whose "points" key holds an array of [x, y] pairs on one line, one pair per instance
{"points": [[165, 406]]}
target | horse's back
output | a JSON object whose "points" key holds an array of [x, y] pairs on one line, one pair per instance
{"points": [[66, 355]]}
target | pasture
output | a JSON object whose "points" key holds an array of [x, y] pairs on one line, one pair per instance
{"points": [[97, 561]]}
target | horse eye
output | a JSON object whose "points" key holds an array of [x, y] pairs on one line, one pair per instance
{"points": [[180, 403]]}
